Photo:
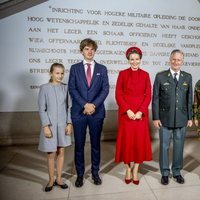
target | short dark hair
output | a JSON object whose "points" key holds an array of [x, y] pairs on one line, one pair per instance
{"points": [[88, 42]]}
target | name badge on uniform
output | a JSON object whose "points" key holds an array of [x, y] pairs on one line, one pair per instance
{"points": [[98, 74], [166, 83]]}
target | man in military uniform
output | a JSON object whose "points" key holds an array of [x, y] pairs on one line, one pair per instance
{"points": [[197, 106], [172, 113]]}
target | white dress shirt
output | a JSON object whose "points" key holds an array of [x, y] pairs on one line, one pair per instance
{"points": [[91, 66], [173, 72]]}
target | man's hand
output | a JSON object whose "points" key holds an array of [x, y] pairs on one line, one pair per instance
{"points": [[157, 123], [189, 123], [89, 109]]}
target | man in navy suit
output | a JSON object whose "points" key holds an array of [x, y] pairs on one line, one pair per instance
{"points": [[88, 87]]}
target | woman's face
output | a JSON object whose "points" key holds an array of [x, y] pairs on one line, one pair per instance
{"points": [[134, 60], [57, 75]]}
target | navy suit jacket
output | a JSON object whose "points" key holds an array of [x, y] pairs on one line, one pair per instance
{"points": [[82, 94]]}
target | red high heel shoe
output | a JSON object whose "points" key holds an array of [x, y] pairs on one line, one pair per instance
{"points": [[136, 182], [127, 181]]}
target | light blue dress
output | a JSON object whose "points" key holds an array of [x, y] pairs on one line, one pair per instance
{"points": [[54, 111]]}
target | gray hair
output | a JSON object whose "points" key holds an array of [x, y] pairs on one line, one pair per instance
{"points": [[177, 51]]}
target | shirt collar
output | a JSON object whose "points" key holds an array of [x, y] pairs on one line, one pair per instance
{"points": [[85, 62], [173, 72]]}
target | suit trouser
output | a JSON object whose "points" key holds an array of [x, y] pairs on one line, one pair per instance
{"points": [[178, 135], [95, 128]]}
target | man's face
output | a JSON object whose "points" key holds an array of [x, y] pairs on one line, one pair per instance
{"points": [[88, 53], [176, 60]]}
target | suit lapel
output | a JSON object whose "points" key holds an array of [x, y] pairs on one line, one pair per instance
{"points": [[82, 73], [170, 78], [181, 79], [94, 74]]}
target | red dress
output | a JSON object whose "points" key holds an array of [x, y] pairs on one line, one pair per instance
{"points": [[133, 91]]}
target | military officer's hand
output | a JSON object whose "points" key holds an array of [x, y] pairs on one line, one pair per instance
{"points": [[189, 124], [157, 123]]}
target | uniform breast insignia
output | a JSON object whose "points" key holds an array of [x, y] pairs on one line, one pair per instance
{"points": [[166, 83], [185, 83]]}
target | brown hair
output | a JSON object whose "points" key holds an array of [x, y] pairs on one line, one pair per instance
{"points": [[134, 52], [88, 42], [53, 66]]}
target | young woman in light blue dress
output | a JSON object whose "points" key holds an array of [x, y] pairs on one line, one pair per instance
{"points": [[54, 111]]}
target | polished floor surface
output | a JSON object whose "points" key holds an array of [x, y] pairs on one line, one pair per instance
{"points": [[23, 176]]}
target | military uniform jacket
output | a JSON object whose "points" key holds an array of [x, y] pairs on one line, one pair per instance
{"points": [[197, 101], [172, 104]]}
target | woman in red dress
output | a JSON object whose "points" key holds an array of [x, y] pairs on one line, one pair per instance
{"points": [[133, 95]]}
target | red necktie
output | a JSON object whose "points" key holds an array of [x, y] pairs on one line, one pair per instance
{"points": [[89, 76]]}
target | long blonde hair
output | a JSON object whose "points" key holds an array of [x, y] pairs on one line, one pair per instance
{"points": [[53, 66]]}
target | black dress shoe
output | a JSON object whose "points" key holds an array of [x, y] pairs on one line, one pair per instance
{"points": [[48, 188], [96, 179], [79, 181], [179, 179], [63, 186], [165, 180]]}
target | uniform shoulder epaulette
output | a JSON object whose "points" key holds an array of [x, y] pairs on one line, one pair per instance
{"points": [[161, 71]]}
